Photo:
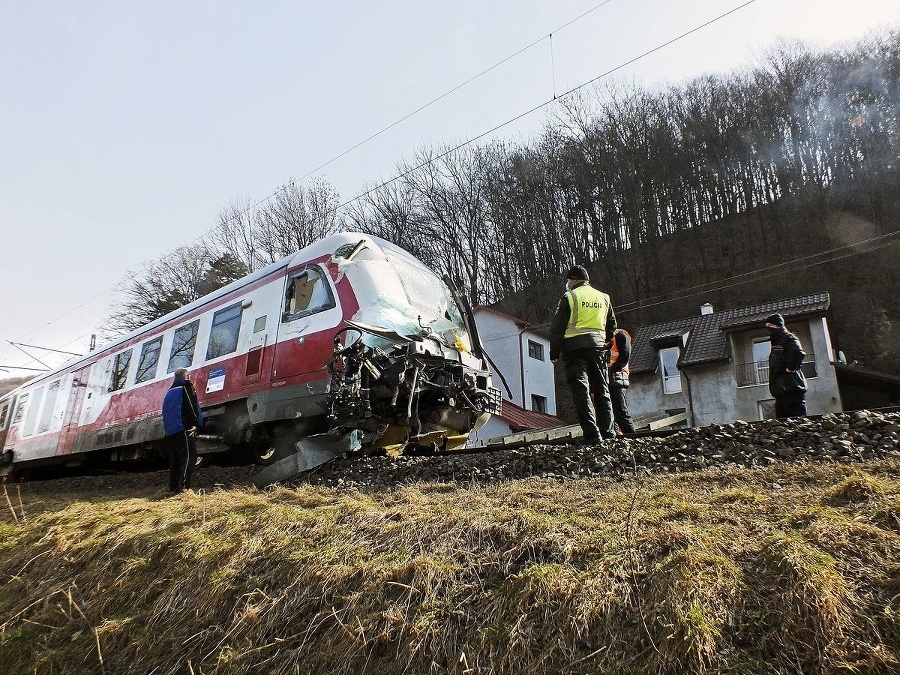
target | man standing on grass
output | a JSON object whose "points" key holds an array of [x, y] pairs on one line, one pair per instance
{"points": [[582, 326], [182, 417]]}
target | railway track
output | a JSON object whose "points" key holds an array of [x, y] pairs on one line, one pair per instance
{"points": [[555, 453]]}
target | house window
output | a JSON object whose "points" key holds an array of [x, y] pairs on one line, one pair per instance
{"points": [[761, 349], [539, 403], [182, 354], [146, 369], [536, 350], [223, 338], [671, 378]]}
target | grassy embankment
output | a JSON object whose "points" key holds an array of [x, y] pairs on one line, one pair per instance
{"points": [[785, 569]]}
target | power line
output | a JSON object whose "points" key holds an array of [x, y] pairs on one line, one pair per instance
{"points": [[884, 240], [46, 349], [457, 88], [890, 239], [545, 104], [471, 140], [264, 200]]}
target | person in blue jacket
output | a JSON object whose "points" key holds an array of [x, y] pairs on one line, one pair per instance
{"points": [[182, 418]]}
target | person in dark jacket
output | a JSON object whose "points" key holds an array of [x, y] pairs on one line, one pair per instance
{"points": [[619, 380], [182, 418], [582, 326], [787, 384]]}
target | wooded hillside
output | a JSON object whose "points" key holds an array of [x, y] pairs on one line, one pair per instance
{"points": [[773, 181]]}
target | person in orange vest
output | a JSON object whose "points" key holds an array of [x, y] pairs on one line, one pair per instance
{"points": [[619, 354], [582, 326]]}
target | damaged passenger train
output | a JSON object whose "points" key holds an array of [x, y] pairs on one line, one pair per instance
{"points": [[350, 344]]}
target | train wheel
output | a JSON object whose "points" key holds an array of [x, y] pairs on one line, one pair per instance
{"points": [[275, 450], [265, 455]]}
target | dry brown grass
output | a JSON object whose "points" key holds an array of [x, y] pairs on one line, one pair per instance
{"points": [[783, 570]]}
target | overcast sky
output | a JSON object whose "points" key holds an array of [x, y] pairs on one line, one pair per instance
{"points": [[126, 127]]}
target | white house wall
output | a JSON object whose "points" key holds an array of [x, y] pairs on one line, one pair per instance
{"points": [[495, 427], [715, 396], [646, 397], [507, 345], [823, 395]]}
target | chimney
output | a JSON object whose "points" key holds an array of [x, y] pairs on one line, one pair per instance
{"points": [[705, 309]]}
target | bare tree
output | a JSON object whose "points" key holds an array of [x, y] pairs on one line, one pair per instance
{"points": [[450, 191], [160, 287], [295, 218], [235, 233]]}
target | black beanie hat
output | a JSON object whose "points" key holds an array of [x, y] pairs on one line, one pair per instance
{"points": [[578, 272], [777, 319]]}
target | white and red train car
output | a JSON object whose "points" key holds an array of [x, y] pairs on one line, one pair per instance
{"points": [[351, 339]]}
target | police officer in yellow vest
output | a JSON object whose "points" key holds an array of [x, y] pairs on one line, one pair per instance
{"points": [[582, 326]]}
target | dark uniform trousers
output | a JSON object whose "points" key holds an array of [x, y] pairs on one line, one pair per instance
{"points": [[586, 374], [791, 405], [182, 458], [620, 409]]}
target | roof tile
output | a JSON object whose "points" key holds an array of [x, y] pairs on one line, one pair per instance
{"points": [[520, 419]]}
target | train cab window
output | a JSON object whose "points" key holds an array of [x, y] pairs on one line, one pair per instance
{"points": [[49, 405], [120, 370], [223, 337], [146, 369], [308, 292], [182, 354]]}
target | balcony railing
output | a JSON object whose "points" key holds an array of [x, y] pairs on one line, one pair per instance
{"points": [[757, 372]]}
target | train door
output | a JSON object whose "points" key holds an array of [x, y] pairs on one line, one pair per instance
{"points": [[7, 406], [309, 313], [73, 410], [256, 353]]}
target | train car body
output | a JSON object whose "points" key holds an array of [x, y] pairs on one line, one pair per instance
{"points": [[351, 339]]}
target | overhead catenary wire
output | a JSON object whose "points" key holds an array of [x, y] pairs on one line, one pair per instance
{"points": [[342, 154], [460, 145], [540, 106], [883, 241]]}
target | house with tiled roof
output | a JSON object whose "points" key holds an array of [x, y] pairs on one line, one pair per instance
{"points": [[714, 368], [512, 419], [519, 358]]}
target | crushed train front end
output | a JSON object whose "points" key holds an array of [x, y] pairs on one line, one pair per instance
{"points": [[408, 369]]}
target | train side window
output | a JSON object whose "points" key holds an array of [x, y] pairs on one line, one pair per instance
{"points": [[120, 370], [4, 411], [33, 409], [223, 337], [182, 354], [146, 369], [260, 323], [49, 405], [20, 409], [308, 292]]}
